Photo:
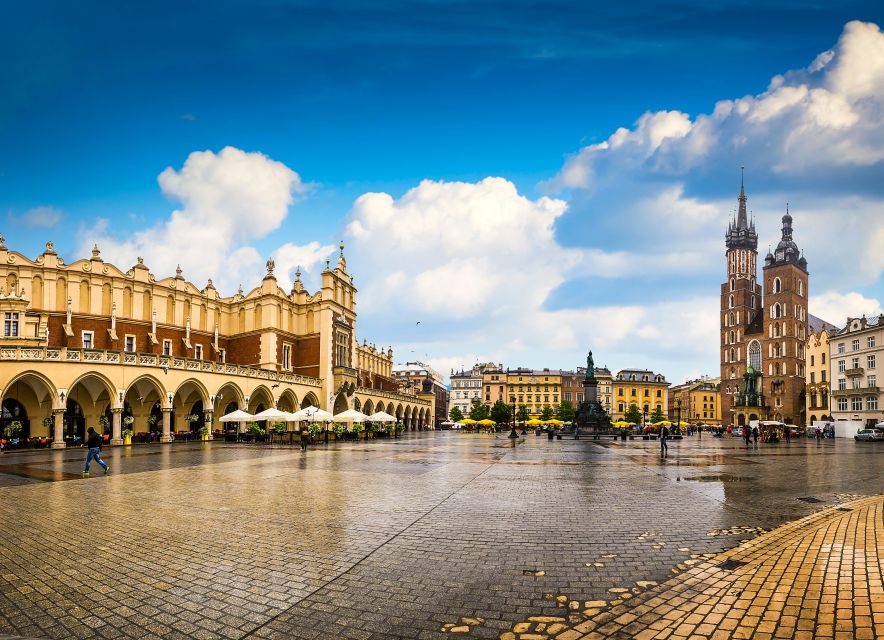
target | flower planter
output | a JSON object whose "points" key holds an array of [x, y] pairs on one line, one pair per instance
{"points": [[127, 440]]}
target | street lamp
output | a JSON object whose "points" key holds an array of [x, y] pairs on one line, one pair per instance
{"points": [[513, 433], [678, 414]]}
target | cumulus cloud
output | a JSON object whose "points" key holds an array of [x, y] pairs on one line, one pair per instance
{"points": [[458, 249], [836, 307], [290, 257], [228, 199], [44, 217]]}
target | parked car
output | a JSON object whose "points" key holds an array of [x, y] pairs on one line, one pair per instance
{"points": [[869, 434]]}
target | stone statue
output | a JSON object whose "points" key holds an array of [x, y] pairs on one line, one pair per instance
{"points": [[590, 367]]}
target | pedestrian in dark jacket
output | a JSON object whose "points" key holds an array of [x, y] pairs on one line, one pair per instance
{"points": [[93, 441]]}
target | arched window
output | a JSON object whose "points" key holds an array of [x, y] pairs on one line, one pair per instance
{"points": [[800, 287], [755, 355], [777, 285], [732, 355], [730, 301], [777, 330], [731, 318], [732, 284], [732, 337], [776, 310]]}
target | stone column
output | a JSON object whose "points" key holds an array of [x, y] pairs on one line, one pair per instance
{"points": [[116, 426], [207, 418], [58, 429], [167, 425]]}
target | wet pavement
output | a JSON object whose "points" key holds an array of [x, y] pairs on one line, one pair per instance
{"points": [[433, 535]]}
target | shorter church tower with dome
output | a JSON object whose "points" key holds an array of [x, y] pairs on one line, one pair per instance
{"points": [[763, 326]]}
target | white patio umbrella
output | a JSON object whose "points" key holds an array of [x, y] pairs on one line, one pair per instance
{"points": [[313, 414], [272, 415], [381, 416], [351, 415], [237, 416]]}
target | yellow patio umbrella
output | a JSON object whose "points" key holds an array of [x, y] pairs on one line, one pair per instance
{"points": [[554, 421], [467, 421], [534, 421], [487, 423], [662, 422], [621, 424]]}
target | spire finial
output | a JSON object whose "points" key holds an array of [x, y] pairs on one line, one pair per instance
{"points": [[298, 273], [342, 247]]}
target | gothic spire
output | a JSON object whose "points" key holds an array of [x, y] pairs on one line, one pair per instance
{"points": [[742, 221], [740, 234]]}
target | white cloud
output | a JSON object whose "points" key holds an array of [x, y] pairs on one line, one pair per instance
{"points": [[289, 257], [836, 307], [457, 249], [45, 217], [228, 200]]}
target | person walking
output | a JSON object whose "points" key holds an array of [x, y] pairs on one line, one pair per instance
{"points": [[747, 433], [93, 441], [664, 435], [755, 436]]}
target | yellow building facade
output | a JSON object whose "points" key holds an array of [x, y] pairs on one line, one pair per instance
{"points": [[534, 389], [641, 387], [95, 345], [817, 373], [698, 401]]}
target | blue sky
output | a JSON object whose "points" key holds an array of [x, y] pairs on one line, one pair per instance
{"points": [[97, 100]]}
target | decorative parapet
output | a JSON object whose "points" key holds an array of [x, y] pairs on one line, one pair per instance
{"points": [[99, 356], [392, 395]]}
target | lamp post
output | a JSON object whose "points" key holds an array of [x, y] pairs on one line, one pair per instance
{"points": [[645, 418], [513, 433], [678, 414]]}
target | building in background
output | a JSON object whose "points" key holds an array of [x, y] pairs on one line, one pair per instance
{"points": [[697, 400], [534, 388], [763, 327], [641, 387], [466, 386], [422, 378], [817, 381], [493, 384], [854, 354]]}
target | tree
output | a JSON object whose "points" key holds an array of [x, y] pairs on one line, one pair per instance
{"points": [[657, 415], [565, 411], [455, 414], [547, 413], [633, 414], [522, 413], [501, 412], [478, 411]]}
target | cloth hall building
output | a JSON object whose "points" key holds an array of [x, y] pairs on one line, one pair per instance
{"points": [[88, 344], [763, 326]]}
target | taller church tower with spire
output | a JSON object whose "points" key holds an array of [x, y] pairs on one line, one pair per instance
{"points": [[763, 329], [740, 296]]}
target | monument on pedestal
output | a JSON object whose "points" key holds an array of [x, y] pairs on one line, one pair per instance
{"points": [[591, 415]]}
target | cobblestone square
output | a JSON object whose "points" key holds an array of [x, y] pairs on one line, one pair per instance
{"points": [[442, 534]]}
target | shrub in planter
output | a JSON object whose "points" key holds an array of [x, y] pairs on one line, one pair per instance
{"points": [[357, 429], [314, 429], [255, 428], [280, 428], [12, 429], [204, 432]]}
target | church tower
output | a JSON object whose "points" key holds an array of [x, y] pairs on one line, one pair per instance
{"points": [[785, 307], [740, 301]]}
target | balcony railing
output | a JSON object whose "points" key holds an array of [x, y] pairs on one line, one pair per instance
{"points": [[100, 356], [856, 371], [859, 391]]}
